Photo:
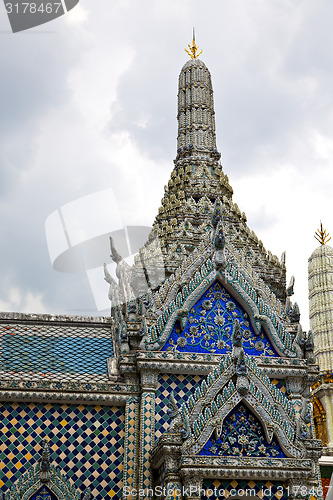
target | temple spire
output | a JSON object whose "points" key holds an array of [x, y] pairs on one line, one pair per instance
{"points": [[320, 280], [196, 180], [322, 236], [196, 116], [193, 50]]}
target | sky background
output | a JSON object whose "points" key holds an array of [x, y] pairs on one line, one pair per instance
{"points": [[89, 104]]}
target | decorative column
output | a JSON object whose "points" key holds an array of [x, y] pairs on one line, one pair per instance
{"points": [[325, 395], [166, 453], [173, 482], [321, 305], [174, 490], [132, 413], [147, 429], [320, 275], [192, 481]]}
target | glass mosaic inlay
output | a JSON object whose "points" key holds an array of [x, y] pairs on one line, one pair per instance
{"points": [[279, 384], [242, 435], [86, 443], [210, 326]]}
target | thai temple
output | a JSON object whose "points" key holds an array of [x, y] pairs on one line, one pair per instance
{"points": [[201, 383]]}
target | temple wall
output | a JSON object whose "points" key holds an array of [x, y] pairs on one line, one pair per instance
{"points": [[86, 443], [182, 386]]}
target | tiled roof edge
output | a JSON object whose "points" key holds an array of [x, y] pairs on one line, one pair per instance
{"points": [[53, 318]]}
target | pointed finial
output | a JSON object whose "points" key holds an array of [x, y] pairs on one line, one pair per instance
{"points": [[322, 236], [193, 50], [45, 463]]}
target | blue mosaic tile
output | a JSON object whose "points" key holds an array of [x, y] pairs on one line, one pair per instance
{"points": [[210, 326], [54, 349], [280, 384], [183, 386], [90, 454]]}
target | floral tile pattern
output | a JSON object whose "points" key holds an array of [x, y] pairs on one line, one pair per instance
{"points": [[242, 435], [211, 324]]}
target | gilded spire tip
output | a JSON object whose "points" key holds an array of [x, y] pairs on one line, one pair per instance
{"points": [[322, 236], [193, 52]]}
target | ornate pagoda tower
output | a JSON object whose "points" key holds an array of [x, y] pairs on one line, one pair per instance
{"points": [[197, 180], [205, 325], [320, 271]]}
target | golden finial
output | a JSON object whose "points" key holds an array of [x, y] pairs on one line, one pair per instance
{"points": [[193, 50], [322, 236]]}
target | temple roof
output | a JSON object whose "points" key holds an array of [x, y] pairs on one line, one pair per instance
{"points": [[197, 180], [194, 62], [53, 348], [322, 251]]}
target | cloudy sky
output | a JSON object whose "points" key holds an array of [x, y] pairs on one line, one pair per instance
{"points": [[89, 105]]}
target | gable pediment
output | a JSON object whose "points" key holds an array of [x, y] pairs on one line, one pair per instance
{"points": [[211, 323], [178, 318], [173, 325], [214, 411], [241, 435]]}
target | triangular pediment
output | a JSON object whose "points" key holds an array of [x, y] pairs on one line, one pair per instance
{"points": [[175, 310], [211, 324], [241, 435], [30, 486], [43, 481], [43, 494], [214, 413], [178, 319]]}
